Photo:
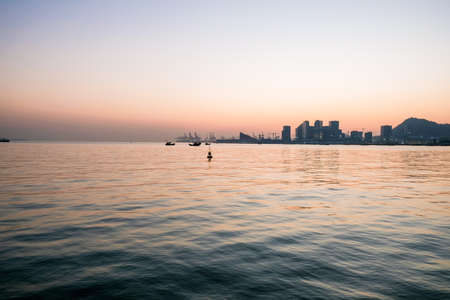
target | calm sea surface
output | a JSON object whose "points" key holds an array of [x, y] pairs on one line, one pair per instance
{"points": [[258, 221]]}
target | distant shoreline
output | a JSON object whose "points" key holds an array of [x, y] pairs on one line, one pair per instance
{"points": [[24, 141], [340, 144]]}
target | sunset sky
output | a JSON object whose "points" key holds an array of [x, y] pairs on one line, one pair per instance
{"points": [[151, 70]]}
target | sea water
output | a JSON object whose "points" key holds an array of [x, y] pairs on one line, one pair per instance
{"points": [[142, 220]]}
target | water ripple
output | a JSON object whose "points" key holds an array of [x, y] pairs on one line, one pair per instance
{"points": [[133, 221]]}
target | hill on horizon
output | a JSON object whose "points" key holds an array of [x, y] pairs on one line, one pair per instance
{"points": [[415, 127]]}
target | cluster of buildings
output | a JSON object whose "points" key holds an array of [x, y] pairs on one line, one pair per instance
{"points": [[412, 131], [305, 133], [317, 134]]}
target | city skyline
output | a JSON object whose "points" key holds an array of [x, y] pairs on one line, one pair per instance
{"points": [[152, 70]]}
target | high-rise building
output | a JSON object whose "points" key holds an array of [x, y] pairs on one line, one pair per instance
{"points": [[286, 134], [334, 125], [386, 133], [356, 136], [306, 131], [318, 130], [368, 137], [298, 133], [333, 131]]}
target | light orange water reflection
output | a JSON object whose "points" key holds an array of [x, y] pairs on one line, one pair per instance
{"points": [[146, 196], [352, 184]]}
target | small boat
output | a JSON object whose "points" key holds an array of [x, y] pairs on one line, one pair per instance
{"points": [[170, 144], [195, 144], [4, 140]]}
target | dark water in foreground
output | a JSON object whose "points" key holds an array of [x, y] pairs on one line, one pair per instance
{"points": [[259, 221]]}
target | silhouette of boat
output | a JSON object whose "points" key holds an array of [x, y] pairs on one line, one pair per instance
{"points": [[170, 144], [4, 140], [195, 144]]}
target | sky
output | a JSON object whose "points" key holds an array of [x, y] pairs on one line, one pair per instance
{"points": [[152, 70]]}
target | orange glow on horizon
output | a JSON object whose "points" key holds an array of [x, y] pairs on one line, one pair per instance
{"points": [[226, 119]]}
